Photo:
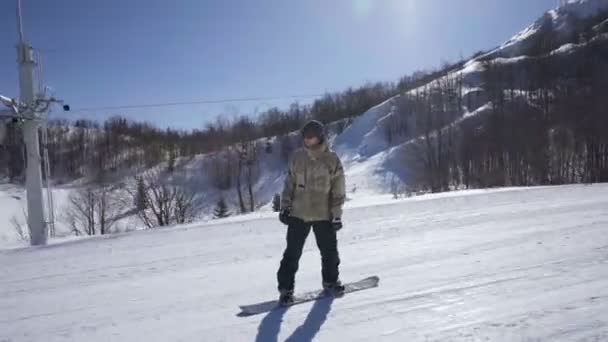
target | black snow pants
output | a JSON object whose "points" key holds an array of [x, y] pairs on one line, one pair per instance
{"points": [[297, 232]]}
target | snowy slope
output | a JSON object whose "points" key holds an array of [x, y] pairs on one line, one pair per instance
{"points": [[193, 173], [371, 163], [12, 206], [559, 19], [363, 137], [13, 209], [511, 265]]}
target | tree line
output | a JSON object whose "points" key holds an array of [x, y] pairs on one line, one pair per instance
{"points": [[88, 148], [547, 124]]}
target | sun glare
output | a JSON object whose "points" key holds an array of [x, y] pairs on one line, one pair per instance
{"points": [[363, 7]]}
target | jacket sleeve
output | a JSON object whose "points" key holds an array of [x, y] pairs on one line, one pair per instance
{"points": [[338, 190], [290, 185]]}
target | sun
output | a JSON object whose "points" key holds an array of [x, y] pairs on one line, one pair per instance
{"points": [[362, 8]]}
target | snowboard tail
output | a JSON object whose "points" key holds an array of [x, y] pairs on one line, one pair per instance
{"points": [[258, 308]]}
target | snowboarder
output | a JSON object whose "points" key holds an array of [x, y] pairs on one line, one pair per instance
{"points": [[313, 196]]}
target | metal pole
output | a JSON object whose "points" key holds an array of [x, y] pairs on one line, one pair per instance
{"points": [[40, 75], [35, 205], [50, 205], [49, 188], [19, 23]]}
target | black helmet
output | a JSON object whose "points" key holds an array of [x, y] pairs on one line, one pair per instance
{"points": [[314, 128]]}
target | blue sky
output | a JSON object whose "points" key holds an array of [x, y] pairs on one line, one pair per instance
{"points": [[120, 52]]}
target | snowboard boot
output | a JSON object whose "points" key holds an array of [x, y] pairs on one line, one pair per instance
{"points": [[334, 288], [286, 297]]}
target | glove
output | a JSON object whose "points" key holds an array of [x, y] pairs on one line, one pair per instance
{"points": [[336, 223], [285, 216]]}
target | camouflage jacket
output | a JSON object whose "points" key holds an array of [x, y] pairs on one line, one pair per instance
{"points": [[314, 187]]}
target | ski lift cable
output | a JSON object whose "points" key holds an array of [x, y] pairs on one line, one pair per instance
{"points": [[195, 102]]}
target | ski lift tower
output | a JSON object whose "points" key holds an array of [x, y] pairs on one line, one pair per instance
{"points": [[30, 110]]}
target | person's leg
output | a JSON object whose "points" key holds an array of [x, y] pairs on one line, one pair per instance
{"points": [[296, 237], [328, 246]]}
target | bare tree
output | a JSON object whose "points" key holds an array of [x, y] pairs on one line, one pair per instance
{"points": [[15, 152], [105, 209], [185, 209], [92, 210], [23, 233], [287, 147], [276, 202], [166, 203], [221, 170], [251, 161], [82, 211], [239, 172]]}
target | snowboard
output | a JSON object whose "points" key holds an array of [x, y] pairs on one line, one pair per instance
{"points": [[258, 308]]}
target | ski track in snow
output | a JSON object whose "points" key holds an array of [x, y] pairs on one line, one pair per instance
{"points": [[509, 265]]}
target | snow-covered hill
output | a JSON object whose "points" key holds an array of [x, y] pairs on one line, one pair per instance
{"points": [[13, 211], [508, 265], [559, 19], [373, 165]]}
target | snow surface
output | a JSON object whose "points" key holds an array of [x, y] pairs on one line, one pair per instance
{"points": [[508, 265], [560, 18], [13, 208], [583, 8], [362, 138]]}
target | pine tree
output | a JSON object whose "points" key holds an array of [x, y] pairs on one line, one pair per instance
{"points": [[171, 162], [276, 203], [268, 147], [141, 196], [221, 210]]}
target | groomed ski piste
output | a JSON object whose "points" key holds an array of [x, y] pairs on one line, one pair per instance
{"points": [[512, 264], [519, 264]]}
